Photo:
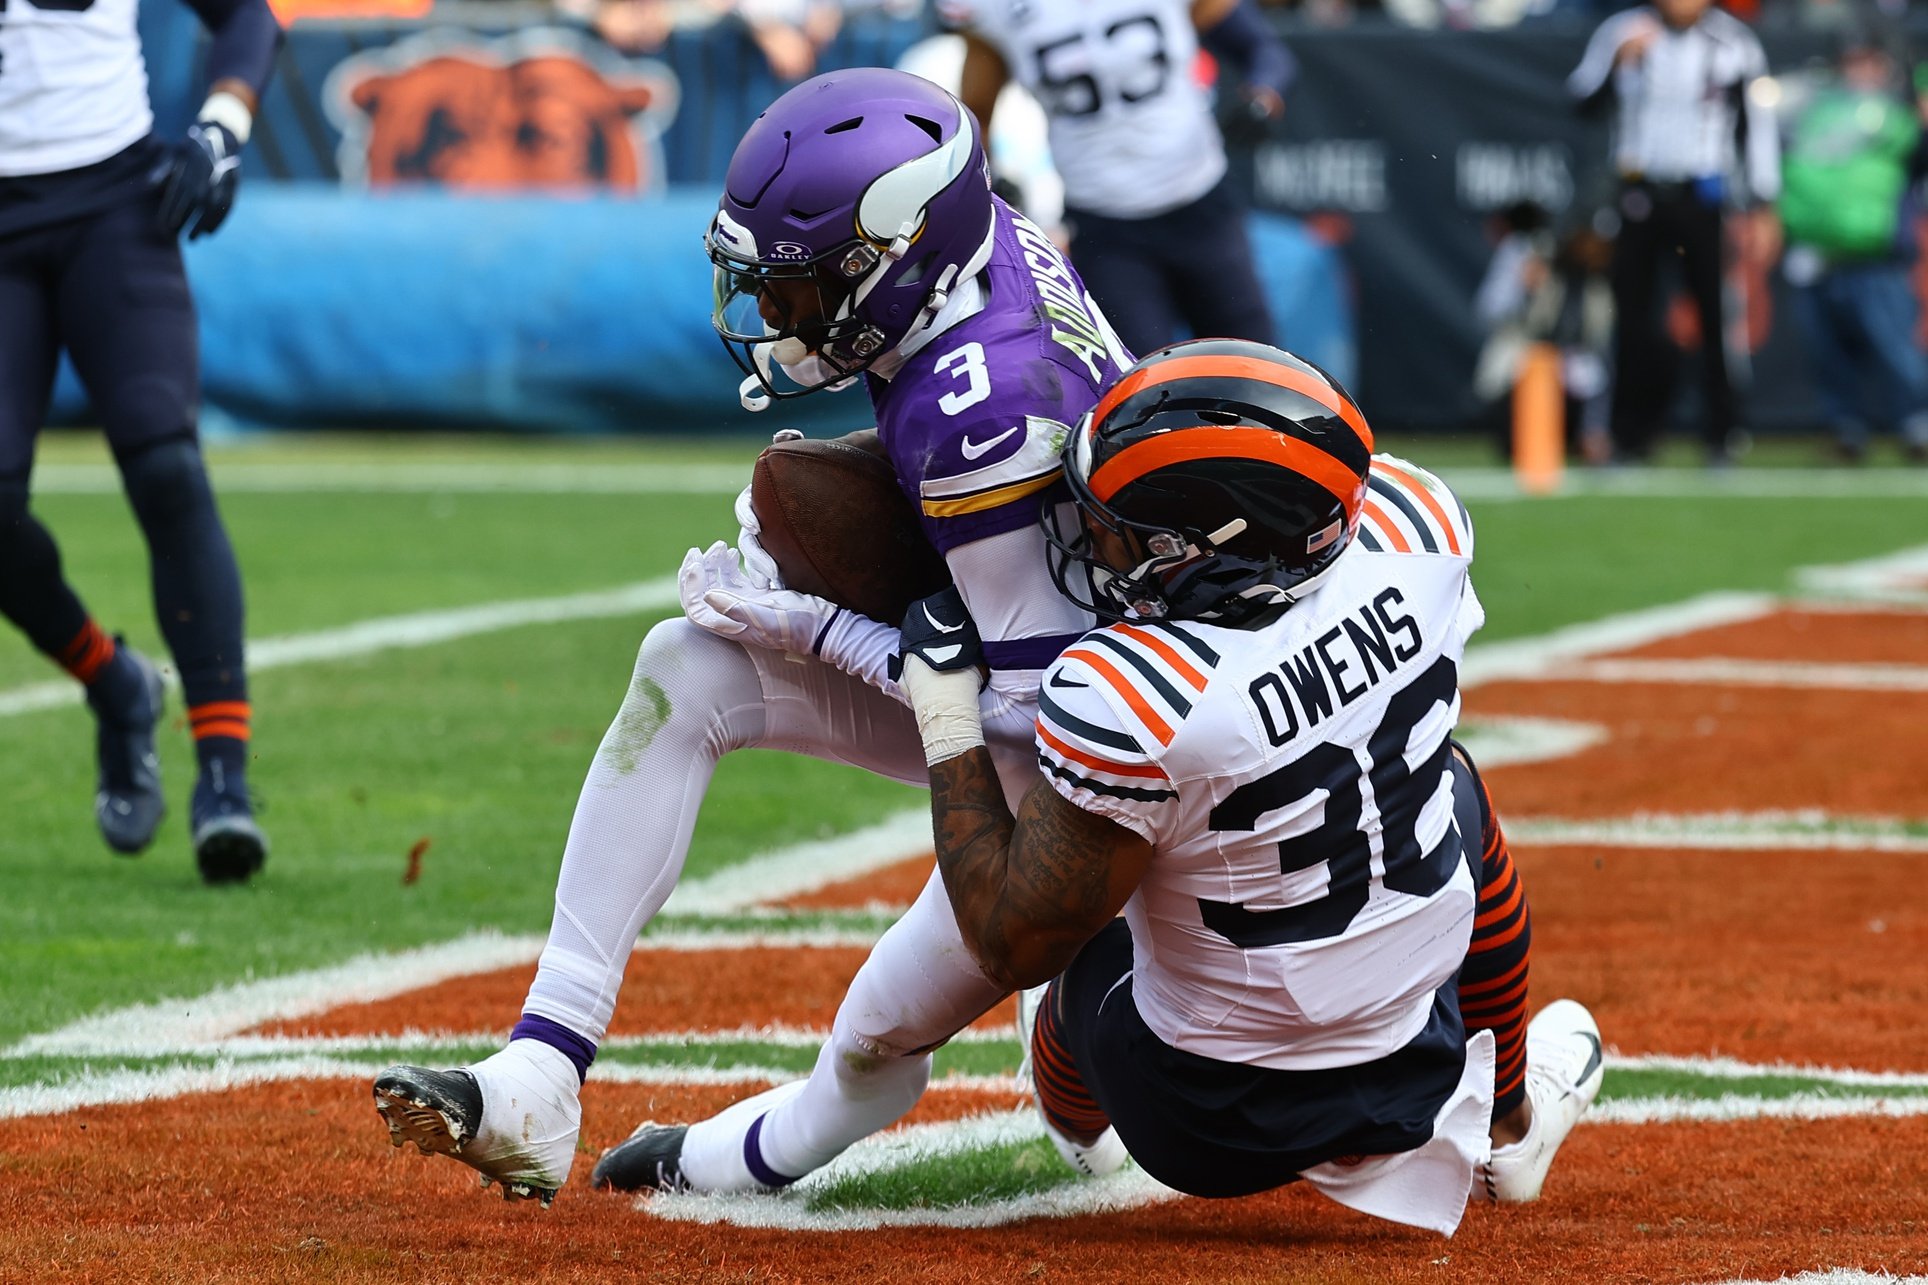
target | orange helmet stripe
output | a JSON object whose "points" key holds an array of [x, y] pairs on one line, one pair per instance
{"points": [[1213, 443], [1228, 367]]}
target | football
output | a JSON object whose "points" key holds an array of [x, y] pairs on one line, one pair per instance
{"points": [[837, 525]]}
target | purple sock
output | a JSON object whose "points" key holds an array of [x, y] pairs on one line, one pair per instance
{"points": [[559, 1037]]}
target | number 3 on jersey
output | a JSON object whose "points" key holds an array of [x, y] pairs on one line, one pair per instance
{"points": [[966, 363], [1340, 841]]}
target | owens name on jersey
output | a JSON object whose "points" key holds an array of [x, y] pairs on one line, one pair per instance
{"points": [[1309, 893]]}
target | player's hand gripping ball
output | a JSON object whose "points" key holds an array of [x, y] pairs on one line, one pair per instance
{"points": [[831, 515]]}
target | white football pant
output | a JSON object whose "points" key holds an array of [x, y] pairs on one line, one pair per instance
{"points": [[693, 698]]}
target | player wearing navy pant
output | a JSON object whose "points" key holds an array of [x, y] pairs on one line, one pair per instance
{"points": [[1157, 232], [92, 204]]}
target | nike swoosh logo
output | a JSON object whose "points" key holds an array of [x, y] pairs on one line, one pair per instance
{"points": [[1059, 680], [943, 655], [972, 449], [1593, 1061], [939, 625]]}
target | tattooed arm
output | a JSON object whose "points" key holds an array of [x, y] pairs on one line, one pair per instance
{"points": [[1028, 891]]}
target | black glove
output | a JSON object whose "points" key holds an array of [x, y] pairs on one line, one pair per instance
{"points": [[1248, 116], [939, 631], [199, 179]]}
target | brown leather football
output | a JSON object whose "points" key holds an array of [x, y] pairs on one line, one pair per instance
{"points": [[838, 526]]}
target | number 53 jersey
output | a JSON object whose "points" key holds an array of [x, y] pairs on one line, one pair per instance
{"points": [[1131, 130], [1309, 890]]}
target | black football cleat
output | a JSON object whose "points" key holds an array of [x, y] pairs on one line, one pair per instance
{"points": [[513, 1117], [228, 846], [127, 800], [650, 1159]]}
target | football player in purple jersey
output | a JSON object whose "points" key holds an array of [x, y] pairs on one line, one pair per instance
{"points": [[857, 240]]}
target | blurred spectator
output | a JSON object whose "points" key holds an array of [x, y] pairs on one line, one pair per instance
{"points": [[790, 33], [1690, 142], [1852, 156], [1539, 289], [1158, 232]]}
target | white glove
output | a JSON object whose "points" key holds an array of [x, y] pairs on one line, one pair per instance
{"points": [[757, 562], [763, 569], [720, 596]]}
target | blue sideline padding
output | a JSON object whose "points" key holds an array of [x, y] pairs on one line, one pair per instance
{"points": [[421, 309]]}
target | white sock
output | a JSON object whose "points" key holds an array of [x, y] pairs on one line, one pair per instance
{"points": [[692, 698], [713, 1150], [918, 988]]}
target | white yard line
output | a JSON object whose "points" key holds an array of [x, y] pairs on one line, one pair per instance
{"points": [[1836, 1276], [1897, 578], [165, 1026], [92, 1088], [617, 477], [1738, 1106], [804, 868], [1559, 649], [1130, 1188], [1726, 671], [1488, 485], [420, 476], [1762, 831], [286, 1046], [1506, 741], [1727, 1068], [419, 629]]}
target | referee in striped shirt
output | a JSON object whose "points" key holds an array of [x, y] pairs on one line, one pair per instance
{"points": [[1689, 145]]}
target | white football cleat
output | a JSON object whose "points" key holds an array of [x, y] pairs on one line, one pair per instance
{"points": [[1107, 1155], [1564, 1068], [513, 1116]]}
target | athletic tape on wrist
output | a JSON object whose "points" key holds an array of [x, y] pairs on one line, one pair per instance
{"points": [[229, 112], [946, 708]]}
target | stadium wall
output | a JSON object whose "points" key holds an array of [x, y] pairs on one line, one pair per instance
{"points": [[421, 308]]}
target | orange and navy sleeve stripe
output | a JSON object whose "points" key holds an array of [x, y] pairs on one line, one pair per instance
{"points": [[1408, 510], [1087, 753], [1155, 671]]}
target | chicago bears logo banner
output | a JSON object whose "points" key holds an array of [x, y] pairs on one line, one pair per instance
{"points": [[542, 109]]}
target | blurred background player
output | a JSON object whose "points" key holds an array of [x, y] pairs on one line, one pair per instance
{"points": [[91, 208], [1543, 286], [1158, 231], [1253, 763], [1689, 143], [857, 238], [1854, 154]]}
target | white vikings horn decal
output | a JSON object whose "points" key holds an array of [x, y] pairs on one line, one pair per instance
{"points": [[893, 206]]}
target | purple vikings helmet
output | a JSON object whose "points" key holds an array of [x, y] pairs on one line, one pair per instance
{"points": [[853, 206]]}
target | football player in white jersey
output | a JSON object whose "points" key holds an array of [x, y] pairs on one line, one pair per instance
{"points": [[1253, 763], [1157, 231], [92, 204]]}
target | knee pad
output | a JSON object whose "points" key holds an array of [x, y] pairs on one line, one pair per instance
{"points": [[166, 480]]}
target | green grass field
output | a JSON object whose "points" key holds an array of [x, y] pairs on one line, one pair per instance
{"points": [[479, 744]]}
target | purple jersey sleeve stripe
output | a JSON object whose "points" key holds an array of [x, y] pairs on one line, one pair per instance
{"points": [[1027, 653]]}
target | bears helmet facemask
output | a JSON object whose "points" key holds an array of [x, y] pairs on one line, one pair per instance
{"points": [[1232, 472]]}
